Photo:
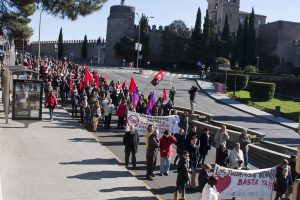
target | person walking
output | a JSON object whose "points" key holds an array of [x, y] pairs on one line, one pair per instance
{"points": [[220, 139], [193, 149], [184, 122], [180, 144], [192, 93], [182, 179], [121, 114], [131, 142], [147, 133], [152, 151], [203, 177], [96, 113], [210, 191], [166, 152], [172, 93], [51, 103], [108, 109], [236, 157], [283, 179], [205, 145], [245, 140], [175, 127], [74, 100]]}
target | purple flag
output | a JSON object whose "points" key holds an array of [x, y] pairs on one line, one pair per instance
{"points": [[151, 104], [135, 98]]}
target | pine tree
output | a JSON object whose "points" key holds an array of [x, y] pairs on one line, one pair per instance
{"points": [[239, 45], [245, 61], [60, 45], [196, 34], [84, 53], [226, 30], [207, 29], [251, 39]]}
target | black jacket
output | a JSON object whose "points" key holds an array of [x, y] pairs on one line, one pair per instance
{"points": [[202, 179], [204, 144], [131, 142], [183, 172], [192, 93]]}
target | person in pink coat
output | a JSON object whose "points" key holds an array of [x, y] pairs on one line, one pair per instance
{"points": [[51, 103], [166, 152]]}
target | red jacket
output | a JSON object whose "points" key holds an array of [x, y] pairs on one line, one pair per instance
{"points": [[121, 110], [165, 146], [51, 101]]}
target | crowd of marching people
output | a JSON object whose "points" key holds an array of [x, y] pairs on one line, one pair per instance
{"points": [[95, 100]]}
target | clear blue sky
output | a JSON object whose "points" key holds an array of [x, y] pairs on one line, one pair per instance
{"points": [[163, 11]]}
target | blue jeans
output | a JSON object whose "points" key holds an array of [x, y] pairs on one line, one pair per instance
{"points": [[164, 164]]}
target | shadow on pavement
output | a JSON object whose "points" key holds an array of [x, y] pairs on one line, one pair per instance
{"points": [[97, 161], [115, 143], [83, 140], [132, 188], [101, 174], [164, 190], [135, 198]]}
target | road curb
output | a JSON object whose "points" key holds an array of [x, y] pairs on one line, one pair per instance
{"points": [[294, 129]]}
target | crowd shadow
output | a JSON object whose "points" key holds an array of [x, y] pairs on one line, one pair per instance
{"points": [[97, 161], [101, 174], [135, 198], [126, 189], [164, 190], [115, 143], [83, 140]]}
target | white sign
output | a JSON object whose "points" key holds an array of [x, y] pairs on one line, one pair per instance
{"points": [[141, 122], [138, 46], [245, 184]]}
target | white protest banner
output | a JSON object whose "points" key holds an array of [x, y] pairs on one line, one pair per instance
{"points": [[245, 184], [141, 122]]}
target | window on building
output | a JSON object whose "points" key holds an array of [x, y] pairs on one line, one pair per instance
{"points": [[259, 21], [241, 20]]}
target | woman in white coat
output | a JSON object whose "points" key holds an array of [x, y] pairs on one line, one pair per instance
{"points": [[236, 157], [210, 191]]}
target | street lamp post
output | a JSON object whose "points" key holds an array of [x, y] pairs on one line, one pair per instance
{"points": [[257, 63], [235, 68], [39, 42]]}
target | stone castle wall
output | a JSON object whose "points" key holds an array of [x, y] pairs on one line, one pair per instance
{"points": [[72, 49], [281, 38]]}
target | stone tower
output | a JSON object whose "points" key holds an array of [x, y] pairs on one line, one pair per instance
{"points": [[119, 23], [218, 9]]}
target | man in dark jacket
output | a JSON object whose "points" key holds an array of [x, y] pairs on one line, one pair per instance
{"points": [[205, 144], [192, 93], [192, 134], [193, 149], [131, 142], [152, 151], [182, 175], [244, 142]]}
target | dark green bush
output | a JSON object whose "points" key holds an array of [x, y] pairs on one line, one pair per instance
{"points": [[261, 91], [241, 81]]}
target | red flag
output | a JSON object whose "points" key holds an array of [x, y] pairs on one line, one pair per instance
{"points": [[87, 77], [164, 95], [96, 80], [71, 84], [124, 85], [104, 78], [80, 85], [132, 85], [157, 78], [118, 86]]}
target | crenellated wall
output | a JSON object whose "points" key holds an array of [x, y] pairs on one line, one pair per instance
{"points": [[72, 49]]}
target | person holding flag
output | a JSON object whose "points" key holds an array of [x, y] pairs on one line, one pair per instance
{"points": [[151, 103]]}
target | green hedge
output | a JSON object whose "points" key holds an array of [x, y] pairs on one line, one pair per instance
{"points": [[261, 91], [241, 81]]}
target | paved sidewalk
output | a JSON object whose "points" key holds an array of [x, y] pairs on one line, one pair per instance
{"points": [[208, 88], [59, 159]]}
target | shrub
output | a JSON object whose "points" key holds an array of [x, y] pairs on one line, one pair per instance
{"points": [[250, 69], [223, 61], [261, 91], [241, 81]]}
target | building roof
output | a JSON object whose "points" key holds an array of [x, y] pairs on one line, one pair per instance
{"points": [[284, 22], [246, 13]]}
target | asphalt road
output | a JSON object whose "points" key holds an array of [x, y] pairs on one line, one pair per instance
{"points": [[274, 132]]}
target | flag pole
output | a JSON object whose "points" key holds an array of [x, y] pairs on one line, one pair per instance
{"points": [[146, 87]]}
